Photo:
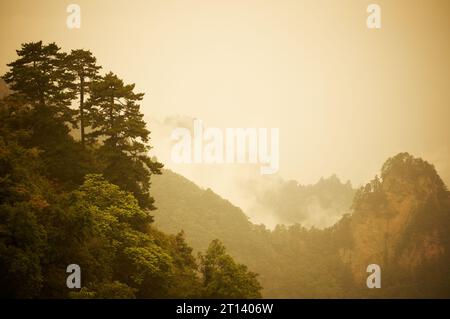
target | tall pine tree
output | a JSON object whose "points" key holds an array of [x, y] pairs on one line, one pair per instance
{"points": [[39, 76], [83, 66], [42, 83], [117, 121]]}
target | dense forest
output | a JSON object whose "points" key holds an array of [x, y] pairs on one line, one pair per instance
{"points": [[87, 201], [77, 186], [399, 221]]}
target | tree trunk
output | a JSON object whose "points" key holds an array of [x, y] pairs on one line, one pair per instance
{"points": [[82, 111], [111, 115]]}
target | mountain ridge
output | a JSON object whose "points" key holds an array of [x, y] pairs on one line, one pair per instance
{"points": [[289, 257]]}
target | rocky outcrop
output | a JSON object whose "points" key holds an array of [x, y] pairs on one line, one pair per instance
{"points": [[401, 223]]}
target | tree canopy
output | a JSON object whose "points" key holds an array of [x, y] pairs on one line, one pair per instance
{"points": [[87, 202]]}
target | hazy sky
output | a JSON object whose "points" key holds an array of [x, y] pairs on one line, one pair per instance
{"points": [[345, 97]]}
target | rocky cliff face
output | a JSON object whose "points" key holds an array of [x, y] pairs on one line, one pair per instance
{"points": [[401, 223]]}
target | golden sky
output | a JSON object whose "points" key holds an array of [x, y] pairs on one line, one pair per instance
{"points": [[345, 97]]}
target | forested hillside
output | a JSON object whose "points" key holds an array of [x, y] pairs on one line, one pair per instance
{"points": [[77, 186], [292, 261], [399, 221], [87, 201]]}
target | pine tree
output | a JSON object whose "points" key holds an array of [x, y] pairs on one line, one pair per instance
{"points": [[83, 66], [117, 121], [43, 85], [41, 78]]}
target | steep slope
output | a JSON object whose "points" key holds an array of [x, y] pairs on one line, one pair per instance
{"points": [[291, 261], [399, 221], [203, 215]]}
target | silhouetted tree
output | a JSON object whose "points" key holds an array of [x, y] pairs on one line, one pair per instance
{"points": [[84, 68], [41, 77], [116, 118]]}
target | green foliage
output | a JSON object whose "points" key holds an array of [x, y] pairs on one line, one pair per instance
{"points": [[39, 105], [22, 200], [21, 247], [82, 65], [63, 202], [292, 262], [39, 75], [115, 117], [296, 262], [115, 113], [223, 278]]}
